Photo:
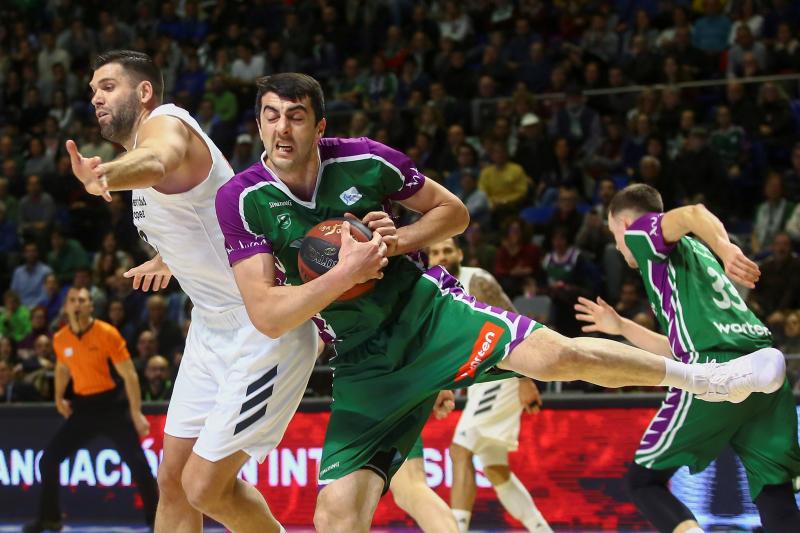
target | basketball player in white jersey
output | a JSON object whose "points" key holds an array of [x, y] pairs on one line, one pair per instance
{"points": [[236, 389], [489, 424]]}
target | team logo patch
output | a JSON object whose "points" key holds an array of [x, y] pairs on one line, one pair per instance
{"points": [[487, 339], [350, 196], [284, 221]]}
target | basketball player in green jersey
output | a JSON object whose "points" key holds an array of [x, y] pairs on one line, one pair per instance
{"points": [[705, 320], [417, 332]]}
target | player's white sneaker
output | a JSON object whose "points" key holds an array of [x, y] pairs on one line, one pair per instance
{"points": [[761, 371], [537, 523]]}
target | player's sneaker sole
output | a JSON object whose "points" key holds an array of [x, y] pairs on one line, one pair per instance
{"points": [[761, 371]]}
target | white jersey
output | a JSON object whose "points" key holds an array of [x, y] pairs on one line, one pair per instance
{"points": [[490, 419], [183, 228]]}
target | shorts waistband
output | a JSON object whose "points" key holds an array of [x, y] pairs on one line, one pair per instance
{"points": [[230, 318]]}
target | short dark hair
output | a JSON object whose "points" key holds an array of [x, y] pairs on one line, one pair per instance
{"points": [[291, 86], [139, 65], [639, 198]]}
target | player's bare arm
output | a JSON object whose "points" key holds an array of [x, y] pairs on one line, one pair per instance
{"points": [[127, 372], [443, 215], [602, 318], [61, 378], [276, 309], [704, 224], [487, 290]]}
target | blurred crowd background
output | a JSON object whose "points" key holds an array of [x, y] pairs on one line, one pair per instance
{"points": [[533, 112]]}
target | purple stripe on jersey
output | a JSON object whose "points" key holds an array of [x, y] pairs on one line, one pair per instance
{"points": [[326, 333], [659, 275], [650, 224], [520, 326], [334, 147], [660, 422], [240, 243]]}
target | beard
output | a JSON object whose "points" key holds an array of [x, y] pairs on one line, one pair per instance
{"points": [[119, 128]]}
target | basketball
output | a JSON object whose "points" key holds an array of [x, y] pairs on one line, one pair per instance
{"points": [[320, 252]]}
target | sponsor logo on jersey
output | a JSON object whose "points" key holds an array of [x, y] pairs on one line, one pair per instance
{"points": [[350, 196], [654, 225], [287, 203], [329, 468], [487, 339], [750, 329], [68, 351], [284, 221]]}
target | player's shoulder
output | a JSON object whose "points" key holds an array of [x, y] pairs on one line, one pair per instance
{"points": [[248, 179], [342, 149]]}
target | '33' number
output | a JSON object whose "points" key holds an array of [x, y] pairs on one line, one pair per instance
{"points": [[726, 291]]}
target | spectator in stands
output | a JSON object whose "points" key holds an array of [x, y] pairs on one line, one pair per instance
{"points": [[744, 111], [454, 24], [562, 171], [791, 179], [95, 145], [478, 250], [146, 347], [776, 125], [771, 215], [517, 258], [66, 256], [701, 172], [784, 52], [711, 31], [242, 153], [566, 215], [248, 65], [36, 210], [37, 160], [576, 123], [457, 77], [651, 172], [788, 341], [680, 19], [12, 390], [746, 13], [53, 297], [475, 199], [633, 305], [504, 182], [9, 239], [166, 332], [599, 41], [728, 141], [157, 383], [28, 280], [533, 148], [594, 235], [745, 43], [640, 63], [380, 84], [349, 87], [778, 288], [117, 318], [15, 320]]}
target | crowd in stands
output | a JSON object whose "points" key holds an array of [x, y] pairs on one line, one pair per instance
{"points": [[533, 112]]}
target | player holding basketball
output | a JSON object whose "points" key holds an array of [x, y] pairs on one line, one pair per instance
{"points": [[236, 389], [489, 423], [706, 321], [417, 332]]}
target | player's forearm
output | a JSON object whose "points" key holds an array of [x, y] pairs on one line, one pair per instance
{"points": [[643, 338], [698, 220], [138, 169], [443, 221], [279, 309], [133, 392]]}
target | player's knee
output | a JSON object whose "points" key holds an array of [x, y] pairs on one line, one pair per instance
{"points": [[202, 493], [331, 516], [497, 474], [169, 483], [404, 499]]}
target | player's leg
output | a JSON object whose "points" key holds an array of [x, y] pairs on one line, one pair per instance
{"points": [[510, 491], [175, 514], [123, 434], [549, 356], [649, 492], [462, 495], [413, 495], [347, 504], [767, 444], [75, 431], [213, 488]]}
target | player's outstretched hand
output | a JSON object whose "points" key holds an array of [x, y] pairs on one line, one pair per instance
{"points": [[738, 267], [445, 403], [600, 316], [153, 274], [86, 170], [382, 222], [362, 261], [529, 396]]}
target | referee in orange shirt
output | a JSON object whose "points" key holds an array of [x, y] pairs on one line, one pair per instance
{"points": [[83, 348]]}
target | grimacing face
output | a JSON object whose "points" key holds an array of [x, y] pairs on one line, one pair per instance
{"points": [[290, 132], [618, 224], [116, 101]]}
